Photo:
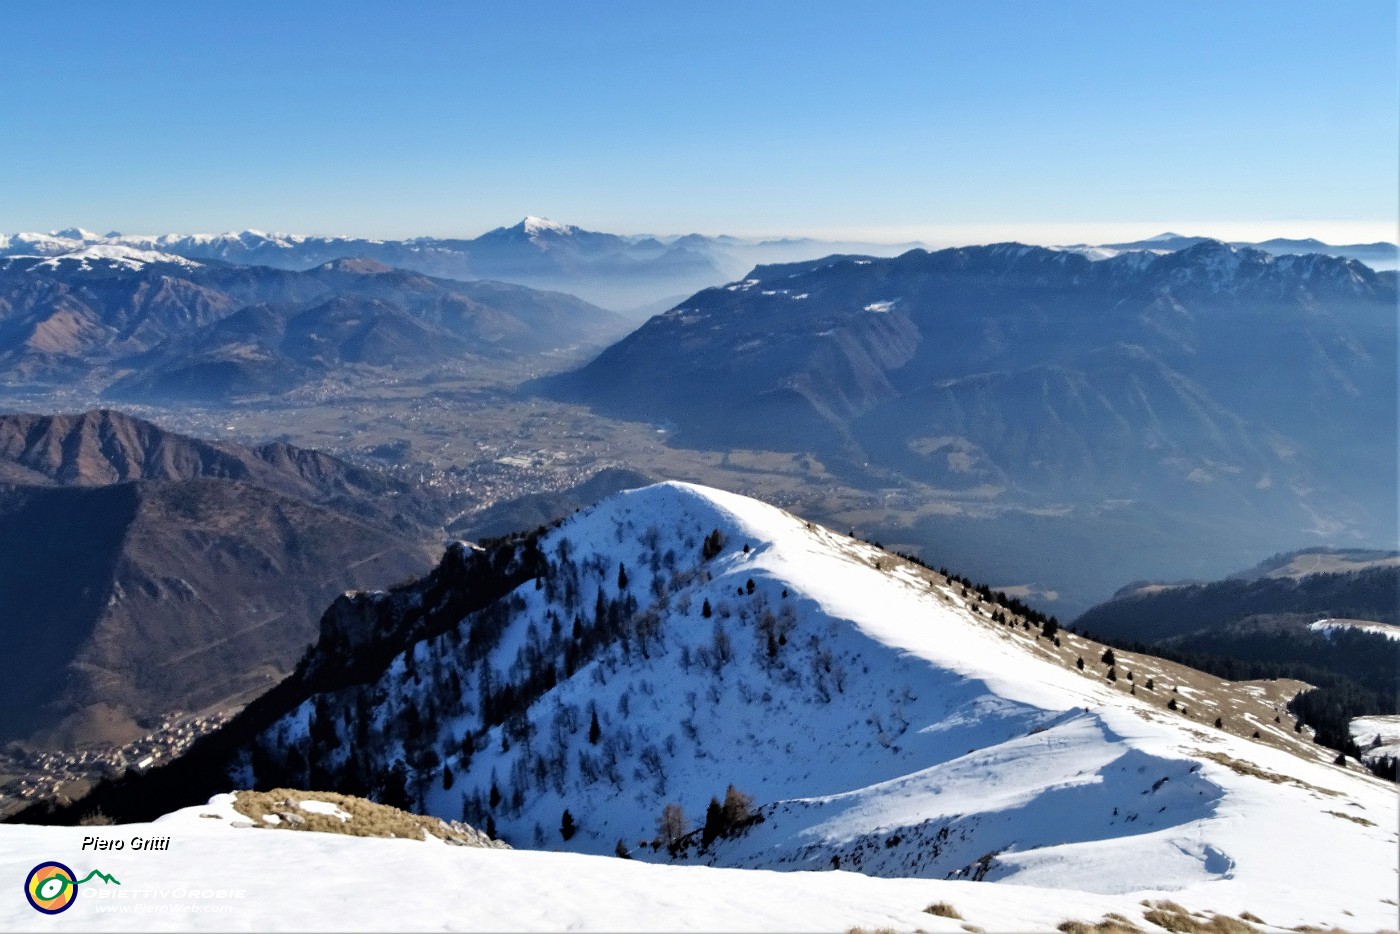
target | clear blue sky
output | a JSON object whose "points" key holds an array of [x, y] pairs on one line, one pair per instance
{"points": [[1048, 121]]}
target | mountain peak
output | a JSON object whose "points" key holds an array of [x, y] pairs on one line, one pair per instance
{"points": [[77, 233], [535, 226], [360, 266]]}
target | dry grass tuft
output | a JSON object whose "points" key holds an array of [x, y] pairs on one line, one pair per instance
{"points": [[1173, 917], [1353, 818], [1111, 924], [1251, 916], [367, 819], [1240, 767], [943, 910], [95, 818]]}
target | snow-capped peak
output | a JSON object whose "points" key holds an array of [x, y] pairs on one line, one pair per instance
{"points": [[77, 233], [111, 256], [534, 226]]}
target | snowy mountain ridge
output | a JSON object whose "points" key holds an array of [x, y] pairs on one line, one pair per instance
{"points": [[675, 640]]}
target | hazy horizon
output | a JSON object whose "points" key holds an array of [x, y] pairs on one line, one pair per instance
{"points": [[941, 123], [931, 235]]}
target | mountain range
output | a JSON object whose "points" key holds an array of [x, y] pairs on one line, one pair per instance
{"points": [[1379, 255], [1143, 395], [635, 274], [588, 688], [142, 571], [154, 325]]}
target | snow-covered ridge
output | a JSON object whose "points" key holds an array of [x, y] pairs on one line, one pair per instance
{"points": [[1328, 626], [111, 256], [880, 720]]}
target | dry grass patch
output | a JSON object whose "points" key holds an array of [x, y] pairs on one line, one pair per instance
{"points": [[943, 910], [282, 809], [1173, 917], [1240, 767], [1353, 818], [1111, 924]]}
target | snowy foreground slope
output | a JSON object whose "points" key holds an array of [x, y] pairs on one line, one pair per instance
{"points": [[883, 719], [215, 877]]}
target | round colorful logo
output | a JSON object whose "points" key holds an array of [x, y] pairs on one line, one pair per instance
{"points": [[51, 887]]}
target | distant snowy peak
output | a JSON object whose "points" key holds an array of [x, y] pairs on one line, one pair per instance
{"points": [[110, 256], [538, 226], [1379, 256]]}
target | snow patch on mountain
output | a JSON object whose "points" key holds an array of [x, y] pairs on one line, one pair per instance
{"points": [[111, 256], [535, 226], [1330, 626]]}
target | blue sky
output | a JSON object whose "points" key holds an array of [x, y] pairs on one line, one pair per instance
{"points": [[948, 122]]}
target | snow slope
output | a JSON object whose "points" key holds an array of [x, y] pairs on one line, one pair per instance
{"points": [[1365, 731], [216, 876], [877, 715]]}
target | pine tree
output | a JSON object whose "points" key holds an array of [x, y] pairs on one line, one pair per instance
{"points": [[447, 778], [566, 825], [621, 850], [1080, 663], [749, 585], [1219, 724], [714, 543], [621, 577], [495, 797], [705, 610], [714, 823], [595, 731], [1108, 658]]}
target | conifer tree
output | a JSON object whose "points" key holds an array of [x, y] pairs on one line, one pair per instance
{"points": [[566, 825], [595, 731], [714, 823]]}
